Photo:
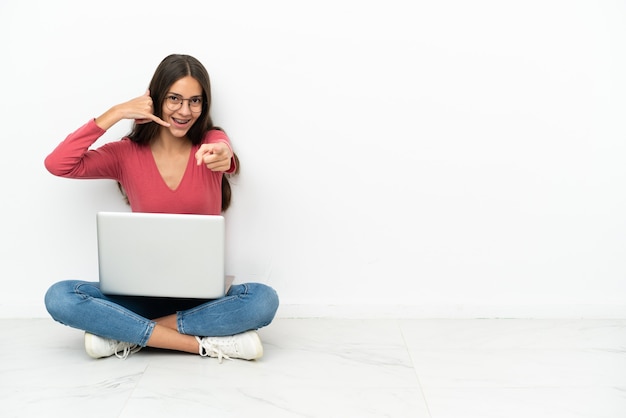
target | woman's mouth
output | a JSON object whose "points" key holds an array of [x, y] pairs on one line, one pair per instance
{"points": [[181, 122]]}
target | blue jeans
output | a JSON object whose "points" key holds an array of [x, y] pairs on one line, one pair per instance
{"points": [[82, 305]]}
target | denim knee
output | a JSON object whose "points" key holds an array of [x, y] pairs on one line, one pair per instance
{"points": [[266, 302], [56, 299]]}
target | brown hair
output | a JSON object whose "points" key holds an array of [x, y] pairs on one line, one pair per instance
{"points": [[171, 69]]}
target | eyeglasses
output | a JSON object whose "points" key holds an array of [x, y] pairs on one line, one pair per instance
{"points": [[174, 102]]}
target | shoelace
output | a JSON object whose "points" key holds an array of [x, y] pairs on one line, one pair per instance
{"points": [[126, 350], [210, 347]]}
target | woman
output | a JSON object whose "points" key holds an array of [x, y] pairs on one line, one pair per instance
{"points": [[173, 161]]}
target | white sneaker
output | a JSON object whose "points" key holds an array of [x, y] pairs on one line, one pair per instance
{"points": [[98, 347], [246, 346]]}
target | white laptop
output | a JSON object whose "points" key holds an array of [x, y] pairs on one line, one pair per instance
{"points": [[164, 255]]}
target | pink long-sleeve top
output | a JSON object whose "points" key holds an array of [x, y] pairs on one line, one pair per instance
{"points": [[133, 165]]}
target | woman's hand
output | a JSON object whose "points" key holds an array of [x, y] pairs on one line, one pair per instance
{"points": [[140, 109], [215, 156]]}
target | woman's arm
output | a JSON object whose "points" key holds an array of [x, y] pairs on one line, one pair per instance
{"points": [[68, 158], [73, 158]]}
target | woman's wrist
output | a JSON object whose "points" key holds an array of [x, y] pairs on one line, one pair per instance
{"points": [[108, 118]]}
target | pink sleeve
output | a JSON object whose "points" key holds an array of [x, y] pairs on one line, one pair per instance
{"points": [[73, 158]]}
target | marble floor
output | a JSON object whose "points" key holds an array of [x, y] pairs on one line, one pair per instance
{"points": [[331, 368]]}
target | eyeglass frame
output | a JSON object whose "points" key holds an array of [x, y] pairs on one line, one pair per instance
{"points": [[182, 101]]}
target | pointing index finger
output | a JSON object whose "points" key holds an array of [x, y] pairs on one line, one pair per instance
{"points": [[200, 154]]}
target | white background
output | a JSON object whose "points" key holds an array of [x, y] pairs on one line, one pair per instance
{"points": [[419, 158]]}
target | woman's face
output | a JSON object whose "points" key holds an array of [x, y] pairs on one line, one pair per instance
{"points": [[182, 105]]}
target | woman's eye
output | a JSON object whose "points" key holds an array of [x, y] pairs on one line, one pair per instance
{"points": [[174, 99], [196, 100]]}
